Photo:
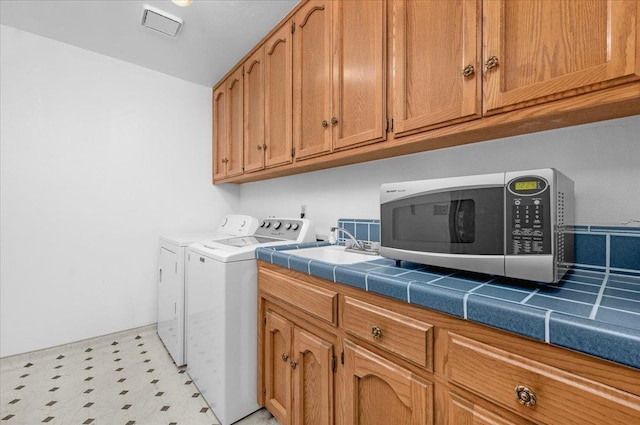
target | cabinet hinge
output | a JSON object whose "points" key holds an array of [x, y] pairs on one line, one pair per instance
{"points": [[265, 320], [342, 357], [389, 124], [264, 391], [334, 364], [293, 152], [293, 27]]}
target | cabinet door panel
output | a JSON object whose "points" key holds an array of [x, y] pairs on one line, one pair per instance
{"points": [[463, 412], [312, 380], [219, 132], [433, 41], [312, 79], [235, 126], [369, 379], [278, 98], [277, 368], [254, 112], [557, 48], [359, 72]]}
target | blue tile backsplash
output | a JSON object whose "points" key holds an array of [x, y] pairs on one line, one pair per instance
{"points": [[598, 246]]}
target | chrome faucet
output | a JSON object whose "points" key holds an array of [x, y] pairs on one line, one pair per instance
{"points": [[355, 244]]}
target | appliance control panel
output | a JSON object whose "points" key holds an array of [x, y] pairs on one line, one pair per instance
{"points": [[528, 221], [299, 230]]}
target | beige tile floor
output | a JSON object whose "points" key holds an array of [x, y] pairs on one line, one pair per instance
{"points": [[127, 378]]}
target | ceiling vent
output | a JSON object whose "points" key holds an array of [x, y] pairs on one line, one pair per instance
{"points": [[161, 21]]}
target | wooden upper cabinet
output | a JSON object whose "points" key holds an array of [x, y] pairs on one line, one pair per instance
{"points": [[359, 38], [278, 97], [312, 79], [254, 142], [235, 127], [547, 50], [228, 127], [219, 133], [436, 48]]}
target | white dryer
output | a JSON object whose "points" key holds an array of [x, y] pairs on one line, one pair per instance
{"points": [[222, 330], [171, 279]]}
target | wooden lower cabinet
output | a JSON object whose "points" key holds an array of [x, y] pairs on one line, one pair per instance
{"points": [[298, 370], [462, 411], [332, 354], [379, 392]]}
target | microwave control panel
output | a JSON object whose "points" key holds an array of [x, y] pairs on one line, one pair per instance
{"points": [[528, 221]]}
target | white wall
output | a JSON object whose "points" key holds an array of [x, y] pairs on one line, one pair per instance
{"points": [[602, 158], [98, 158]]}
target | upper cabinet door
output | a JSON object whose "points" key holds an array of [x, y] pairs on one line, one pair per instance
{"points": [[278, 98], [359, 37], [219, 132], [235, 127], [254, 142], [312, 79], [435, 59], [546, 50]]}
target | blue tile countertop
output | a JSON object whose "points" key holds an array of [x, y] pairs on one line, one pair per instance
{"points": [[590, 310]]}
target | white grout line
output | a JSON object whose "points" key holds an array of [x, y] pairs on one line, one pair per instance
{"points": [[464, 305], [528, 297], [596, 305], [547, 320]]}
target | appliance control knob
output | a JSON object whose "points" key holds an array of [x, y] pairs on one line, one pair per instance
{"points": [[266, 224], [262, 224], [295, 226], [287, 226], [277, 225]]}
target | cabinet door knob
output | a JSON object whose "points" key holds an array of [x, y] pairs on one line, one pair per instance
{"points": [[525, 396], [264, 147], [325, 124], [334, 120], [285, 357], [376, 332], [259, 147], [468, 71], [491, 63], [294, 365]]}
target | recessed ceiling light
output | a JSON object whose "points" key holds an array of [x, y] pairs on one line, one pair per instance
{"points": [[182, 3], [161, 21]]}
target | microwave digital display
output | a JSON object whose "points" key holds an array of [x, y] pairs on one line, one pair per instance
{"points": [[526, 185]]}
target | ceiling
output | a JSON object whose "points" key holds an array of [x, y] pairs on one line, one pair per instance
{"points": [[215, 35]]}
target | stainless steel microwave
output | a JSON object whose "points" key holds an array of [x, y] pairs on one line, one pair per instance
{"points": [[508, 224]]}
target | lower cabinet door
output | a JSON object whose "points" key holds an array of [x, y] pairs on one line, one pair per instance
{"points": [[277, 366], [379, 392], [312, 379], [464, 412]]}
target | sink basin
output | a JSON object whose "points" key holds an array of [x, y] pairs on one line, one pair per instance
{"points": [[333, 254]]}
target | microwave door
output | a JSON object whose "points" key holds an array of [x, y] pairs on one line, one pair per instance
{"points": [[442, 228]]}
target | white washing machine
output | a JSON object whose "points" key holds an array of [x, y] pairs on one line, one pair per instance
{"points": [[171, 279], [222, 319]]}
